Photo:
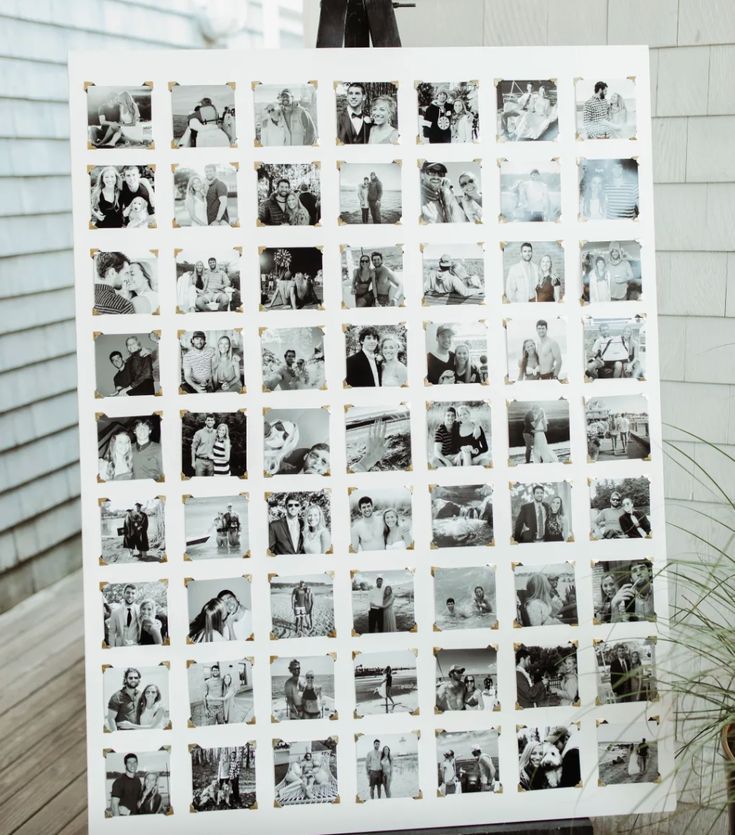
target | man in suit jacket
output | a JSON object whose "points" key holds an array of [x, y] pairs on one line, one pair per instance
{"points": [[286, 535], [531, 520], [363, 368], [124, 624], [528, 694], [353, 124], [620, 675]]}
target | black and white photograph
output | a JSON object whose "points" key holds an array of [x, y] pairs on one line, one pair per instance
{"points": [[548, 757], [291, 278], [541, 512], [289, 193], [449, 112], [222, 778], [216, 527], [137, 783], [527, 110], [380, 519], [383, 601], [605, 108], [620, 508], [459, 434], [467, 762], [206, 195], [546, 595], [122, 196], [292, 358], [456, 353], [299, 522], [450, 192], [466, 679], [211, 361], [285, 114], [622, 591], [385, 682], [453, 274], [370, 192], [376, 355], [302, 688], [305, 772], [387, 765], [615, 348], [608, 189], [208, 280], [461, 516], [611, 271], [546, 676], [464, 598], [378, 438], [127, 365], [372, 276], [618, 428], [627, 752], [367, 112], [536, 349], [219, 610], [538, 432], [534, 271], [136, 698], [220, 692], [203, 115], [296, 442], [129, 448], [125, 283], [135, 614], [132, 531], [530, 192], [626, 671], [214, 444], [302, 606], [119, 116]]}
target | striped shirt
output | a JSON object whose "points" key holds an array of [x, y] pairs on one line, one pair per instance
{"points": [[200, 364], [106, 300], [596, 110], [221, 458], [445, 437], [622, 199]]}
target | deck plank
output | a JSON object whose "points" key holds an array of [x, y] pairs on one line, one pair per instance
{"points": [[78, 826], [64, 808]]}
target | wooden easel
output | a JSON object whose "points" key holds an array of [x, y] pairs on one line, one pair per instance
{"points": [[354, 23]]}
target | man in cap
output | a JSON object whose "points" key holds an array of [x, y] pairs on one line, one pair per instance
{"points": [[440, 362], [450, 277], [438, 203], [437, 119], [486, 769], [607, 521], [450, 694], [196, 364], [567, 745], [448, 773], [300, 124]]}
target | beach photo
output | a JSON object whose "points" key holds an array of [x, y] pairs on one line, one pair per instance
{"points": [[203, 115], [453, 274], [302, 606], [387, 765], [133, 531], [302, 688], [538, 432], [372, 276], [459, 434], [370, 192], [208, 280], [378, 438], [528, 110], [464, 597], [467, 762], [216, 527], [627, 752], [292, 358], [383, 601], [466, 679], [380, 519], [461, 516], [385, 682], [546, 595], [305, 772], [119, 117], [222, 778], [530, 192], [220, 692], [536, 349], [614, 349]]}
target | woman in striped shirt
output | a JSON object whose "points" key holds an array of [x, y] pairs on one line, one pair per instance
{"points": [[221, 450]]}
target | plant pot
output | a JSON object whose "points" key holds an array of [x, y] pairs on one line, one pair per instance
{"points": [[728, 748]]}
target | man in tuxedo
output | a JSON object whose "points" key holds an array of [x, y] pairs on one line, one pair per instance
{"points": [[353, 124], [528, 694], [531, 520], [363, 368], [286, 535], [620, 675], [124, 625]]}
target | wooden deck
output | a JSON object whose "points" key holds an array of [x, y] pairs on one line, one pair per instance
{"points": [[43, 774]]}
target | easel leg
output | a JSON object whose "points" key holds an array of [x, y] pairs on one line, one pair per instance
{"points": [[383, 25], [332, 18]]}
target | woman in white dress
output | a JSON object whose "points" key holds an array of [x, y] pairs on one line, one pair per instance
{"points": [[396, 539], [634, 766], [389, 615], [541, 452], [316, 535], [394, 372], [383, 114], [195, 201]]}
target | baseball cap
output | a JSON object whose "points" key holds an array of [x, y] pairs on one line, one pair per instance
{"points": [[439, 167], [455, 668], [476, 750], [445, 261], [445, 329]]}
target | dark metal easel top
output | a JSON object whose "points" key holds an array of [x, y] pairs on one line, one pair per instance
{"points": [[354, 23]]}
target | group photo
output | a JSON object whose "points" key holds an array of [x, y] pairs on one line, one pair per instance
{"points": [[211, 361], [467, 762], [132, 532], [302, 606], [383, 601], [292, 358], [376, 355], [377, 438], [530, 193], [222, 778], [302, 688], [289, 194], [135, 614], [466, 679], [216, 527], [370, 193], [372, 277], [618, 428], [296, 442], [214, 444], [541, 512], [291, 278], [611, 271], [125, 283], [285, 115], [461, 516], [119, 117], [605, 108], [456, 353], [622, 591], [137, 783], [620, 508], [220, 692], [449, 112], [548, 757], [450, 192], [381, 520], [464, 597], [129, 448], [136, 698], [208, 280], [203, 116], [534, 271], [219, 610], [386, 682], [546, 595], [127, 365], [627, 752], [305, 772], [367, 112], [122, 196], [615, 348], [546, 676], [626, 670], [608, 189], [387, 766], [454, 274], [527, 110], [299, 522], [536, 349], [459, 434], [538, 432], [206, 196]]}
